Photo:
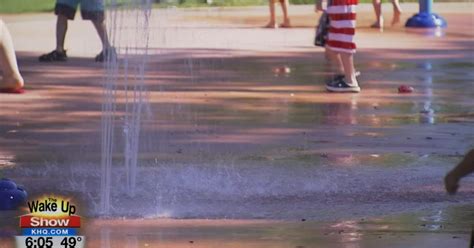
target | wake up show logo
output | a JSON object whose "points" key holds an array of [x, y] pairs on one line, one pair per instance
{"points": [[50, 216]]}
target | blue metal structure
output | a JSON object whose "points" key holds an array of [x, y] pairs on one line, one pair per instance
{"points": [[426, 18]]}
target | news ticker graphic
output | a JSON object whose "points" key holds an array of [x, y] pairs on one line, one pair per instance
{"points": [[28, 221], [51, 223], [50, 242]]}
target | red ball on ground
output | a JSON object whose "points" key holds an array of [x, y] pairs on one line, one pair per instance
{"points": [[405, 89]]}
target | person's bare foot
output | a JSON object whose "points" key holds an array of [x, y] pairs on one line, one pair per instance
{"points": [[378, 24], [451, 183], [286, 24], [396, 17], [11, 83], [271, 25]]}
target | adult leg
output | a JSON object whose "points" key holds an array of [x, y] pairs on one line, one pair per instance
{"points": [[272, 22], [397, 12], [12, 78], [378, 14], [286, 19]]}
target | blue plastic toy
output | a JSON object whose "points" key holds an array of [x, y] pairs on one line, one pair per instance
{"points": [[426, 18], [11, 196]]}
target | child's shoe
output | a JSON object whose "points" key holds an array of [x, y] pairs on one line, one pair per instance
{"points": [[339, 85], [53, 56], [106, 54]]}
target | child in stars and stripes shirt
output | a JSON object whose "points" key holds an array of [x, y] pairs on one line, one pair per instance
{"points": [[340, 44]]}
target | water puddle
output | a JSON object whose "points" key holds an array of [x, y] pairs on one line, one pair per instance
{"points": [[7, 161]]}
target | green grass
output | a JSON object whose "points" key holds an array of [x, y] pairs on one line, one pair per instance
{"points": [[228, 3], [215, 3], [23, 6], [224, 3]]}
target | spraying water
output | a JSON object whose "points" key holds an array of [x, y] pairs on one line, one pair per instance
{"points": [[124, 83], [223, 158]]}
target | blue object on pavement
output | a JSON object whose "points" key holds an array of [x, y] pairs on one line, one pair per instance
{"points": [[426, 18], [11, 195]]}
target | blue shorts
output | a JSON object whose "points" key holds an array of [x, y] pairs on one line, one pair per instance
{"points": [[90, 9]]}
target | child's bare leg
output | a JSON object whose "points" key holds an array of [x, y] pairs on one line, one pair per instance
{"points": [[272, 22], [61, 29], [378, 14], [286, 19], [327, 55], [11, 75], [335, 62], [102, 32], [465, 167], [397, 12], [349, 70]]}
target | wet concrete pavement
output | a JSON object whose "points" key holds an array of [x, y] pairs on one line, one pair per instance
{"points": [[222, 125], [423, 229]]}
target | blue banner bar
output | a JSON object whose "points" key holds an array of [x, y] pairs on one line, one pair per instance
{"points": [[49, 231]]}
